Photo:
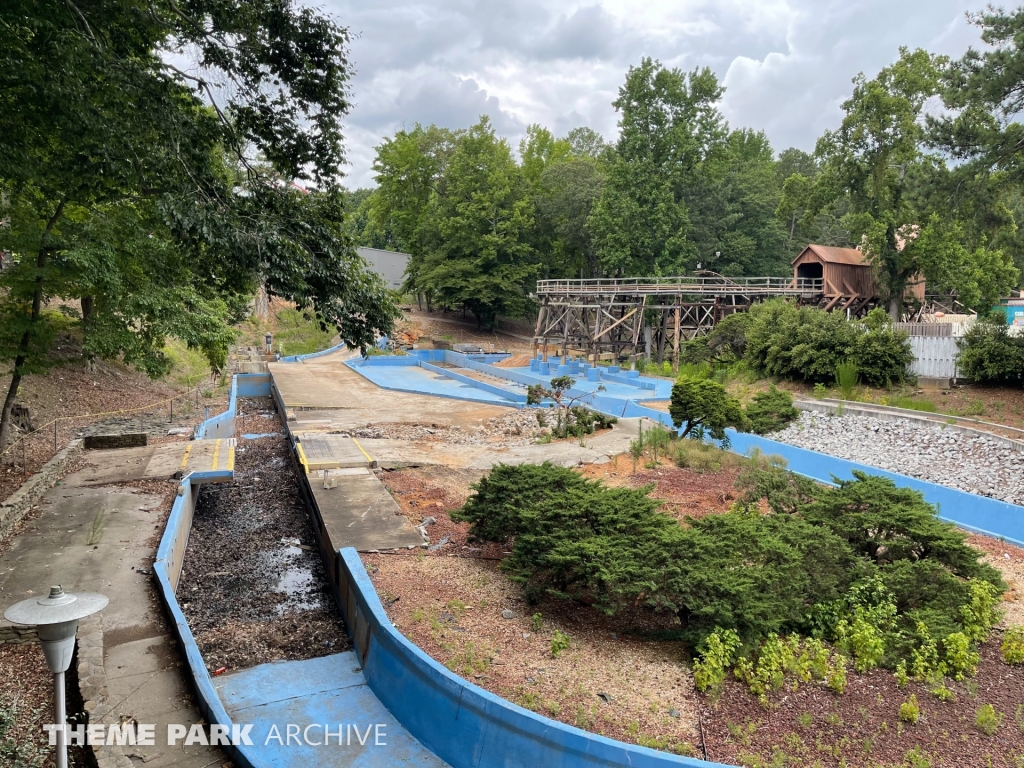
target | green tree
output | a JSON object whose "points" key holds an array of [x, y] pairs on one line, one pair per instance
{"points": [[732, 207], [702, 405], [95, 117], [568, 193], [412, 172], [481, 259], [540, 150], [876, 161], [669, 124]]}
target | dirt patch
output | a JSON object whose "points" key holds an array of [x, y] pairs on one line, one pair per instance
{"points": [[515, 361], [1010, 561], [253, 586], [84, 400]]}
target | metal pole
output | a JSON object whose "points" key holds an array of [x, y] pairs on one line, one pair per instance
{"points": [[54, 435], [58, 702], [172, 411]]}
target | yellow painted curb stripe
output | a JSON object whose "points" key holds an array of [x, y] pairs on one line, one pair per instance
{"points": [[216, 454], [368, 459], [302, 457], [231, 459], [184, 459]]}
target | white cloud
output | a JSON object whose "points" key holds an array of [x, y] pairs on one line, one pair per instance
{"points": [[786, 64]]}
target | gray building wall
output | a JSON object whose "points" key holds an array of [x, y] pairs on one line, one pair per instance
{"points": [[388, 264]]}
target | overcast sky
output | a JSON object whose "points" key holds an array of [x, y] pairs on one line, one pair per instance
{"points": [[786, 64]]}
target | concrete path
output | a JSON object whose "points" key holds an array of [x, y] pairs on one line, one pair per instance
{"points": [[95, 540], [357, 511], [155, 462]]}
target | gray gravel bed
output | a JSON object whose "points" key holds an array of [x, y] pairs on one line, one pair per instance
{"points": [[926, 451]]}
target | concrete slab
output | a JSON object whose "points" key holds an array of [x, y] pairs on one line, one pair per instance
{"points": [[400, 453], [327, 395], [359, 512], [329, 691], [144, 676], [155, 462], [323, 451]]}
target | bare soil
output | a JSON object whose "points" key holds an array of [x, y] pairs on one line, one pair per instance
{"points": [[616, 678], [253, 586]]}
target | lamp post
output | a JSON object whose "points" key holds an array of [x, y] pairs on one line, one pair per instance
{"points": [[56, 619]]}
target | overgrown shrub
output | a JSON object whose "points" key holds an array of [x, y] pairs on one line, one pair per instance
{"points": [[866, 566], [574, 538], [771, 411], [700, 407], [807, 344], [728, 339], [989, 355]]}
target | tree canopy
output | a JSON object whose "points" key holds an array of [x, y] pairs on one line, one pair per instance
{"points": [[148, 160]]}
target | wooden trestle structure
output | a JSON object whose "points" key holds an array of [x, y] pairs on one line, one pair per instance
{"points": [[622, 318]]}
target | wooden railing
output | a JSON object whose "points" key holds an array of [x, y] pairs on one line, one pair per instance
{"points": [[702, 286]]}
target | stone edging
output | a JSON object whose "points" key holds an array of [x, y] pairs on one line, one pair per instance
{"points": [[33, 489], [92, 684]]}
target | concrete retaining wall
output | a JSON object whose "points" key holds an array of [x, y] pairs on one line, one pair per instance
{"points": [[223, 425], [311, 355], [463, 724]]}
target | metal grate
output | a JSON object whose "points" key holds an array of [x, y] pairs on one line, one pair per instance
{"points": [[317, 448]]}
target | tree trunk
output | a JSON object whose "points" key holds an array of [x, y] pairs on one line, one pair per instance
{"points": [[894, 309], [23, 348]]}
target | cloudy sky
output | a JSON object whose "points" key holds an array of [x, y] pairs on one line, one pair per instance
{"points": [[786, 64]]}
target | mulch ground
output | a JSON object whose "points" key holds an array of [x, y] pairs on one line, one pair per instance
{"points": [[861, 727], [26, 704], [253, 586]]}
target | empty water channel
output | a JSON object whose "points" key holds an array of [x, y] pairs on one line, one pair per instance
{"points": [[253, 587]]}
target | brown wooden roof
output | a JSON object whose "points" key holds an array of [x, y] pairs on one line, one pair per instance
{"points": [[835, 255]]}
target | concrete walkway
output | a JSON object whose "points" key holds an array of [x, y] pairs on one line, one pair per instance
{"points": [[95, 539]]}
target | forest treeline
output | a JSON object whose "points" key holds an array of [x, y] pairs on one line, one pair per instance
{"points": [[923, 173]]}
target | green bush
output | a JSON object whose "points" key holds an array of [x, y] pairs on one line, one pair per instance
{"points": [[728, 338], [700, 407], [847, 377], [987, 719], [989, 355], [867, 566], [771, 411], [910, 710], [806, 344], [1013, 645]]}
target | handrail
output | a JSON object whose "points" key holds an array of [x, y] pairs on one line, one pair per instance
{"points": [[683, 284]]}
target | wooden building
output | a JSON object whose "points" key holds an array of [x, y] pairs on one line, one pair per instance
{"points": [[848, 280]]}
